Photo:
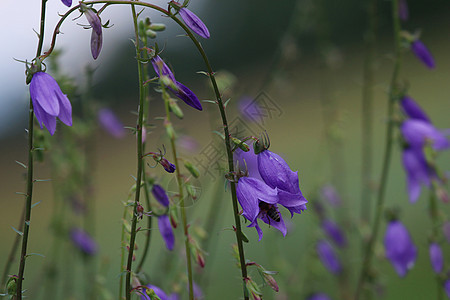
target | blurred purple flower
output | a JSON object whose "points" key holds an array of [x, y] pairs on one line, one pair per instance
{"points": [[83, 241], [328, 257], [49, 102], [187, 143], [198, 293], [418, 172], [166, 231], [418, 133], [109, 121], [436, 258], [446, 230], [423, 54], [67, 3], [403, 11], [194, 23], [159, 292], [413, 110], [318, 296], [182, 91], [447, 287], [160, 195], [329, 193], [250, 109], [277, 174], [96, 35], [334, 232], [399, 247]]}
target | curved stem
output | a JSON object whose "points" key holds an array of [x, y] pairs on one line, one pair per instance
{"points": [[139, 158], [393, 97]]}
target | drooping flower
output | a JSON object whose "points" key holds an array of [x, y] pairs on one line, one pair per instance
{"points": [[194, 23], [418, 172], [166, 231], [413, 110], [328, 257], [329, 193], [418, 133], [436, 257], [67, 3], [276, 173], [318, 296], [160, 195], [403, 11], [181, 91], [399, 247], [83, 241], [96, 35], [109, 121], [334, 232], [422, 53], [153, 290], [447, 287], [49, 102], [167, 165]]}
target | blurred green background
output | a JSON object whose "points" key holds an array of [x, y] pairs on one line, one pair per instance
{"points": [[307, 57]]}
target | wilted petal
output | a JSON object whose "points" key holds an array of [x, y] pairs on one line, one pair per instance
{"points": [[422, 53], [109, 121], [413, 110], [194, 23], [166, 231], [334, 232], [328, 257], [399, 247], [436, 257], [83, 241], [160, 195]]}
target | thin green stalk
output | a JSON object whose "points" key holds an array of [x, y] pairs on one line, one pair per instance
{"points": [[122, 251], [367, 115], [393, 97], [139, 157], [434, 216]]}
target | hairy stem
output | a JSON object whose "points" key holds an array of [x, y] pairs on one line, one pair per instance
{"points": [[393, 97]]}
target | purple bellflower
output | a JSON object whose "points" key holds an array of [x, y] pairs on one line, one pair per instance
{"points": [[399, 248], [109, 121], [156, 290], [166, 231], [418, 133], [160, 195], [418, 172], [194, 23], [318, 296], [422, 53], [182, 91], [436, 258], [334, 232], [67, 3], [403, 11], [96, 35], [328, 257], [49, 102], [413, 110], [447, 287], [167, 165], [83, 241], [248, 161], [329, 193]]}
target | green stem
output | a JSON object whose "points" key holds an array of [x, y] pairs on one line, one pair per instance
{"points": [[122, 251], [434, 216], [139, 158], [393, 97]]}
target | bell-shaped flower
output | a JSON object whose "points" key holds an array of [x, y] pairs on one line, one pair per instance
{"points": [[49, 102], [422, 53], [160, 195], [276, 173], [151, 291], [413, 110], [418, 172], [96, 35], [418, 133], [194, 23], [334, 233], [328, 257], [447, 288], [83, 241], [109, 121], [436, 258], [399, 247], [166, 231], [181, 91]]}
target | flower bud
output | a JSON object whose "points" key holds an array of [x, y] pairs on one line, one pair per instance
{"points": [[270, 280], [150, 33], [192, 169], [169, 129], [160, 195], [173, 217], [175, 108], [11, 285], [158, 27]]}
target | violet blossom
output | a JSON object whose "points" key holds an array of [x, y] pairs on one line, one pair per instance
{"points": [[413, 110], [418, 173], [181, 91], [329, 193], [447, 287], [436, 258], [328, 257], [160, 195], [318, 296], [422, 53], [83, 241], [109, 121], [67, 3], [399, 247], [334, 233], [49, 102], [194, 23], [418, 133], [96, 35], [167, 165], [156, 291], [166, 231]]}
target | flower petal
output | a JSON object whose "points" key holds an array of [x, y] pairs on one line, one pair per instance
{"points": [[423, 54], [65, 108], [194, 23], [161, 68], [188, 96], [166, 231], [399, 247], [413, 110], [42, 90]]}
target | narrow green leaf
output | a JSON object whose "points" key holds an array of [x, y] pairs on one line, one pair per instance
{"points": [[203, 73], [35, 204], [226, 102], [21, 164], [17, 231], [37, 254]]}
